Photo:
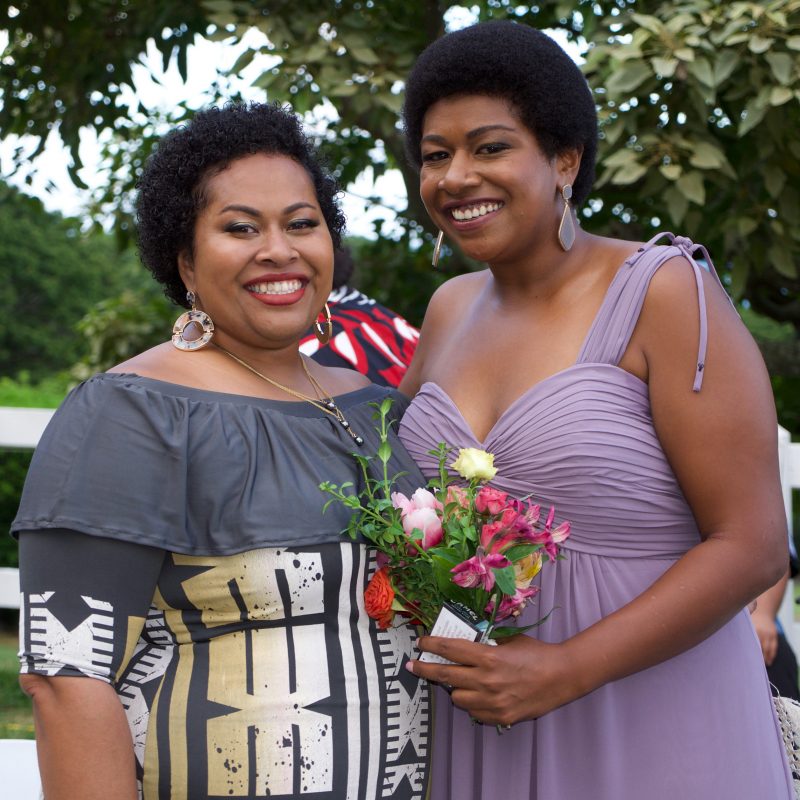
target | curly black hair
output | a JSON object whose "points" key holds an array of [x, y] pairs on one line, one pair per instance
{"points": [[171, 187], [526, 67]]}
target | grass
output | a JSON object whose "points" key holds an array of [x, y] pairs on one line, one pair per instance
{"points": [[16, 718], [22, 394]]}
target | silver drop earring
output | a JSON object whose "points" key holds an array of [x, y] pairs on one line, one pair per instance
{"points": [[566, 228], [437, 250]]}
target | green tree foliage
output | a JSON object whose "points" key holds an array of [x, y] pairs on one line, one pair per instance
{"points": [[122, 326], [13, 468], [52, 274], [698, 101]]}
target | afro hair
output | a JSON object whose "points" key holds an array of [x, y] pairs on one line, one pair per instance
{"points": [[526, 67], [171, 188]]}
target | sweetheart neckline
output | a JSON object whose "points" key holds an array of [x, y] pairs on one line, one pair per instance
{"points": [[638, 383]]}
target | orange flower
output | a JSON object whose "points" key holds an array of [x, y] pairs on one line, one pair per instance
{"points": [[378, 598]]}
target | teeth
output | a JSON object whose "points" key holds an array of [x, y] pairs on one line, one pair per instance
{"points": [[473, 212], [275, 287]]}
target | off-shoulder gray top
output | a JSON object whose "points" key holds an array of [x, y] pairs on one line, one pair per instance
{"points": [[198, 472]]}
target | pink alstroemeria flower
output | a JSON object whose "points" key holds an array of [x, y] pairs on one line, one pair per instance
{"points": [[554, 537], [512, 528], [477, 571], [532, 513], [490, 501], [496, 537], [420, 512], [512, 605]]}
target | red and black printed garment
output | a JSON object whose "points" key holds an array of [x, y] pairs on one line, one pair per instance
{"points": [[367, 337]]}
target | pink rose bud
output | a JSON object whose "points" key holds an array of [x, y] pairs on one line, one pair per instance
{"points": [[490, 501]]}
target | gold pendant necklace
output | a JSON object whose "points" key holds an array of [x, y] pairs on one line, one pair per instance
{"points": [[324, 401]]}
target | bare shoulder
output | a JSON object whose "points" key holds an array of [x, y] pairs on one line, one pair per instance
{"points": [[338, 380], [669, 332], [160, 362], [674, 295], [453, 296], [451, 299]]}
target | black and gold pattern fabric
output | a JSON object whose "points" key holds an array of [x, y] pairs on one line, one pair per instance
{"points": [[244, 672]]}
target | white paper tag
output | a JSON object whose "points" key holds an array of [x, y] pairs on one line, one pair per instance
{"points": [[451, 625]]}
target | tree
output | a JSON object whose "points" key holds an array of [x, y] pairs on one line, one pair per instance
{"points": [[696, 110], [698, 101], [52, 275]]}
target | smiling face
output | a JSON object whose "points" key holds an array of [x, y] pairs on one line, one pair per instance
{"points": [[262, 261], [486, 182]]}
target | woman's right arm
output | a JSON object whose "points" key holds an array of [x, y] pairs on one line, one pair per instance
{"points": [[85, 601]]}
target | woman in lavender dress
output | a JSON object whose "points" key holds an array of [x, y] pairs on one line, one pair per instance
{"points": [[614, 380]]}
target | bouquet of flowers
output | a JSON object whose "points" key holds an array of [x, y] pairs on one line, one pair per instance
{"points": [[456, 544]]}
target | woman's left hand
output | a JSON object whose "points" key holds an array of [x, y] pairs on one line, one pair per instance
{"points": [[520, 679]]}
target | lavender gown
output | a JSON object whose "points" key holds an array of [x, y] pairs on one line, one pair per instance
{"points": [[697, 727]]}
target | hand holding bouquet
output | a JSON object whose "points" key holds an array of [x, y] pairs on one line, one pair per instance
{"points": [[457, 542]]}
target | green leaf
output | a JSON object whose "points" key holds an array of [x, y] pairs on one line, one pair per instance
{"points": [[665, 67], [782, 66], [779, 18], [677, 204], [774, 180], [781, 259], [721, 37], [679, 22], [363, 54], [344, 90], [652, 24], [780, 95], [317, 52], [707, 156], [392, 102], [746, 225], [447, 557], [726, 63], [691, 184], [684, 54], [620, 158], [671, 171], [385, 452], [754, 112], [793, 42], [506, 580], [266, 79], [520, 551], [613, 131], [627, 175], [701, 69], [630, 77], [759, 44]]}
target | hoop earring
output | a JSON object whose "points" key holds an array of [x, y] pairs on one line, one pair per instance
{"points": [[190, 319], [566, 228], [323, 330], [437, 250]]}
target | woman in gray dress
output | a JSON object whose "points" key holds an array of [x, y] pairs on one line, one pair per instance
{"points": [[192, 623]]}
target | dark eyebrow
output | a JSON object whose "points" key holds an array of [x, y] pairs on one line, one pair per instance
{"points": [[252, 212], [473, 134]]}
